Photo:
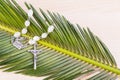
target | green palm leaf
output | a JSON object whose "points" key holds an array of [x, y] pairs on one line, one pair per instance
{"points": [[67, 53]]}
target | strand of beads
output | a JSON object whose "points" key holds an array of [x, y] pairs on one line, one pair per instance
{"points": [[17, 35], [44, 35], [27, 24]]}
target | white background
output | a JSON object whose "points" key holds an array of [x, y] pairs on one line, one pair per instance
{"points": [[101, 16]]}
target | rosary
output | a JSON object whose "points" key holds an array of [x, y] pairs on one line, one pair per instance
{"points": [[17, 39]]}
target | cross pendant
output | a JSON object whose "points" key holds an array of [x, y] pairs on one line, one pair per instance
{"points": [[35, 52]]}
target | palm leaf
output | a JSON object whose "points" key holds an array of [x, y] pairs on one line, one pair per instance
{"points": [[68, 53]]}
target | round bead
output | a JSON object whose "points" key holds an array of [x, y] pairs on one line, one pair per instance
{"points": [[24, 30], [44, 35], [30, 13], [31, 42], [17, 34], [50, 29], [36, 38], [27, 23]]}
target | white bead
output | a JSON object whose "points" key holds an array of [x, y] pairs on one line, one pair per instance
{"points": [[17, 34], [31, 42], [36, 38], [44, 35], [50, 29], [24, 30], [27, 23], [30, 13]]}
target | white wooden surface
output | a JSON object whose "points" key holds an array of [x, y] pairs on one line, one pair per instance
{"points": [[101, 16]]}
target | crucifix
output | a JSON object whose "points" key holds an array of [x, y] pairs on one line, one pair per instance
{"points": [[35, 52]]}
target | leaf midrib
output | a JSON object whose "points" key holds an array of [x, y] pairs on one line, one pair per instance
{"points": [[67, 52]]}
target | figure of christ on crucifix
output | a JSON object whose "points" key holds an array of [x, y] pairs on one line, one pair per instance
{"points": [[35, 52]]}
